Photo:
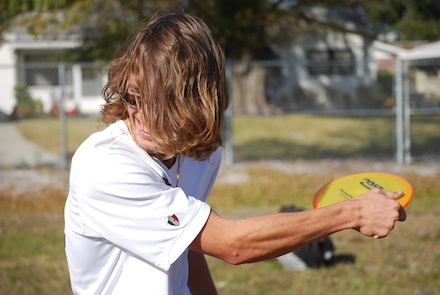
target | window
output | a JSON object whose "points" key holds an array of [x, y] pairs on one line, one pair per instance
{"points": [[38, 72], [330, 62]]}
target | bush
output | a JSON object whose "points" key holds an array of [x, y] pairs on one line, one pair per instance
{"points": [[25, 106]]}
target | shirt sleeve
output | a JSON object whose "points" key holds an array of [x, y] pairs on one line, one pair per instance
{"points": [[124, 201], [198, 177]]}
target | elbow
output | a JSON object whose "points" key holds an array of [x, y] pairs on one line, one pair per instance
{"points": [[234, 258], [238, 254]]}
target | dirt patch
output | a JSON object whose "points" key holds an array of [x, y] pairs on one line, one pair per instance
{"points": [[28, 180]]}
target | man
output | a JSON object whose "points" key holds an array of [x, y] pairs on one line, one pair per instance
{"points": [[136, 221]]}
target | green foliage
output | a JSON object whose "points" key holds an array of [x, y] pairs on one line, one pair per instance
{"points": [[25, 105], [9, 9], [105, 25], [385, 81], [241, 24], [410, 19], [242, 27]]}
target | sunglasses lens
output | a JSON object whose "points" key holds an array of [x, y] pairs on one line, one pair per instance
{"points": [[130, 100]]}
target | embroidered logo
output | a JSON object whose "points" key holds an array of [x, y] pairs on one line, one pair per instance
{"points": [[173, 220]]}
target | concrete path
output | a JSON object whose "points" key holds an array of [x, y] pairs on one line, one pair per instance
{"points": [[16, 151]]}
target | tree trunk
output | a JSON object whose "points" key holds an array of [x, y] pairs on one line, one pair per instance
{"points": [[249, 90]]}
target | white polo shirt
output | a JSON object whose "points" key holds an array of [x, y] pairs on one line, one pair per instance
{"points": [[126, 230]]}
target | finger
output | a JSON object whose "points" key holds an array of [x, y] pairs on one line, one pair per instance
{"points": [[402, 214], [393, 195]]}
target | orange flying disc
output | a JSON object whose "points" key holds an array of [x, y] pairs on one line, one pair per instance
{"points": [[351, 186]]}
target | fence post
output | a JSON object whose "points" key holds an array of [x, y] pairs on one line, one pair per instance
{"points": [[406, 114], [227, 128], [63, 119], [399, 111]]}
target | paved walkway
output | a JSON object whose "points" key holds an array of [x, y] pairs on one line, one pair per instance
{"points": [[16, 151]]}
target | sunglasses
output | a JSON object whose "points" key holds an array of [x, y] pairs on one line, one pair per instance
{"points": [[130, 100]]}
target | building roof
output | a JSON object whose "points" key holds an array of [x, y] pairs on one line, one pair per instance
{"points": [[424, 51], [52, 37]]}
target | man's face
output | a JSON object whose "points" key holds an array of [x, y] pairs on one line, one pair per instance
{"points": [[139, 132]]}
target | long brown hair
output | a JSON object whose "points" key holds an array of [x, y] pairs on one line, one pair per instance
{"points": [[177, 69]]}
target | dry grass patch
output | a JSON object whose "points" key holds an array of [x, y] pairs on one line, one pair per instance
{"points": [[407, 262]]}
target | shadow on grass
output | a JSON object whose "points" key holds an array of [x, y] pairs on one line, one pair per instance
{"points": [[343, 259], [313, 138], [268, 149], [428, 147]]}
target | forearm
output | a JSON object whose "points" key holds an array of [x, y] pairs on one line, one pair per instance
{"points": [[265, 237], [282, 233]]}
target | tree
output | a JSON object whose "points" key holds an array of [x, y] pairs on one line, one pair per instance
{"points": [[240, 25], [9, 9], [410, 19], [103, 24], [110, 23], [243, 27]]}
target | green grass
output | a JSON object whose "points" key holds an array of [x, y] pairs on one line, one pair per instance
{"points": [[32, 257], [315, 137], [407, 262], [47, 132], [310, 137], [278, 137]]}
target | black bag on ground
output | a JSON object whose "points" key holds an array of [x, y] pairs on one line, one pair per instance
{"points": [[314, 255]]}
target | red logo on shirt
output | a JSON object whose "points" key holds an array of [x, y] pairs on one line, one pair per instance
{"points": [[173, 220]]}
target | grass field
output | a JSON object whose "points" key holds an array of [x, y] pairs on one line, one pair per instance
{"points": [[286, 137], [406, 263], [46, 132]]}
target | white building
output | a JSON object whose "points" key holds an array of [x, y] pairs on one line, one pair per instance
{"points": [[26, 60]]}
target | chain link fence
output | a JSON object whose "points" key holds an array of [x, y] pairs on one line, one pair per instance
{"points": [[422, 90], [279, 109], [358, 116], [46, 108]]}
